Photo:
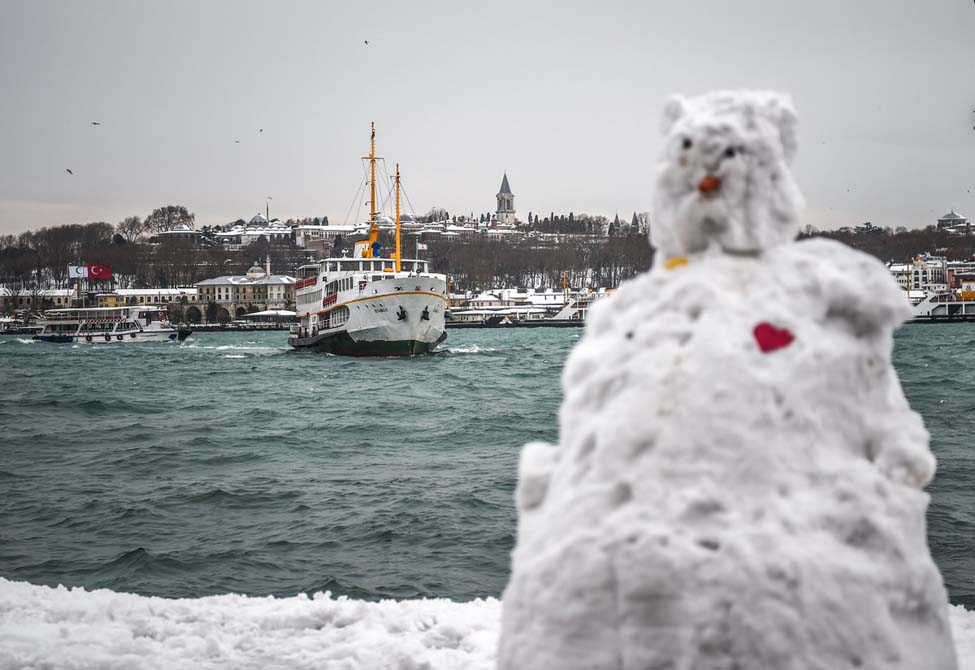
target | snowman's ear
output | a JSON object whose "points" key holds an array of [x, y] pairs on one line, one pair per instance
{"points": [[779, 110], [674, 110]]}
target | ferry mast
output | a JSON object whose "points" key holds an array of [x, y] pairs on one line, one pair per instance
{"points": [[372, 168], [397, 220]]}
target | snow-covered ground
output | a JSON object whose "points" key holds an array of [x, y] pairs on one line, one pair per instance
{"points": [[41, 627]]}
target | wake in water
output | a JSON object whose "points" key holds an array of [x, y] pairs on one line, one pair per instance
{"points": [[469, 349]]}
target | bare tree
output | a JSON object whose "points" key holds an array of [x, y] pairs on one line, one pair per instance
{"points": [[131, 228], [168, 218]]}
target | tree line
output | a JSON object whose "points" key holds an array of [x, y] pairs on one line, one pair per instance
{"points": [[39, 259], [477, 262], [901, 245]]}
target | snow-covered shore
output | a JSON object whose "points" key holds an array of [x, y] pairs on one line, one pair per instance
{"points": [[42, 627]]}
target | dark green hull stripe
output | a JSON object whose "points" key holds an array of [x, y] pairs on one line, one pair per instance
{"points": [[341, 344]]}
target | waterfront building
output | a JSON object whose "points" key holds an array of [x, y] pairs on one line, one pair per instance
{"points": [[36, 299], [901, 273], [506, 204], [258, 289], [957, 268], [147, 296], [923, 273]]}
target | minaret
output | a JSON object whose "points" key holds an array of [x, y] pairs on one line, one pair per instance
{"points": [[506, 203], [267, 265]]}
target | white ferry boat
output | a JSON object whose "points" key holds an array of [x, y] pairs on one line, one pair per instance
{"points": [[370, 304], [108, 325]]}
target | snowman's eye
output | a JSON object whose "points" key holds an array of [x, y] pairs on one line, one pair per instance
{"points": [[687, 143], [729, 152]]}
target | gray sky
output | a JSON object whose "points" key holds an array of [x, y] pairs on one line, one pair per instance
{"points": [[564, 96]]}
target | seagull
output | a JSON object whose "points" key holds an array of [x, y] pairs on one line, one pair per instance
{"points": [[366, 41], [261, 130], [69, 171], [96, 123], [236, 141]]}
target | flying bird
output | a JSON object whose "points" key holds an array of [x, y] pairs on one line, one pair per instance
{"points": [[69, 171], [236, 141], [261, 130], [96, 123], [366, 41]]}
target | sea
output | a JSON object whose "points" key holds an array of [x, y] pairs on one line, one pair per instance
{"points": [[229, 463]]}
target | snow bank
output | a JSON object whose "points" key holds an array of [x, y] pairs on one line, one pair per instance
{"points": [[738, 479], [42, 627]]}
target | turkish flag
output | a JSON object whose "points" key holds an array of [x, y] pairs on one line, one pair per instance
{"points": [[99, 272]]}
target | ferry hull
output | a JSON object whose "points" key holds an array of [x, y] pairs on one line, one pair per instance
{"points": [[384, 324], [114, 338], [342, 344]]}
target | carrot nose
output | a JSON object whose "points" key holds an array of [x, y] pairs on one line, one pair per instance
{"points": [[709, 184]]}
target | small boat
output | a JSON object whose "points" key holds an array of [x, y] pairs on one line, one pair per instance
{"points": [[370, 304], [12, 326], [108, 325]]}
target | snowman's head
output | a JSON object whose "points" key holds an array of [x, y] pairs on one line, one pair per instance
{"points": [[724, 180]]}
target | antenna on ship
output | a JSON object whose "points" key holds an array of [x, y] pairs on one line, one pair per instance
{"points": [[397, 220]]}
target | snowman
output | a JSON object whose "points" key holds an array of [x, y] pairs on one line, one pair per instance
{"points": [[738, 482]]}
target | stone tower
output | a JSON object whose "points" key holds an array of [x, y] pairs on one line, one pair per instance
{"points": [[506, 203]]}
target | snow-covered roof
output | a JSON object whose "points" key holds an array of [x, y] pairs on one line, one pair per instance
{"points": [[952, 216], [154, 291], [254, 232], [272, 312], [238, 280], [181, 229], [44, 292], [331, 229]]}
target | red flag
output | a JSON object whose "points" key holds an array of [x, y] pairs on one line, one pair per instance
{"points": [[99, 272]]}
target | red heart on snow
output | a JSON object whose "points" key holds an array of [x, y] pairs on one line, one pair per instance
{"points": [[770, 337]]}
